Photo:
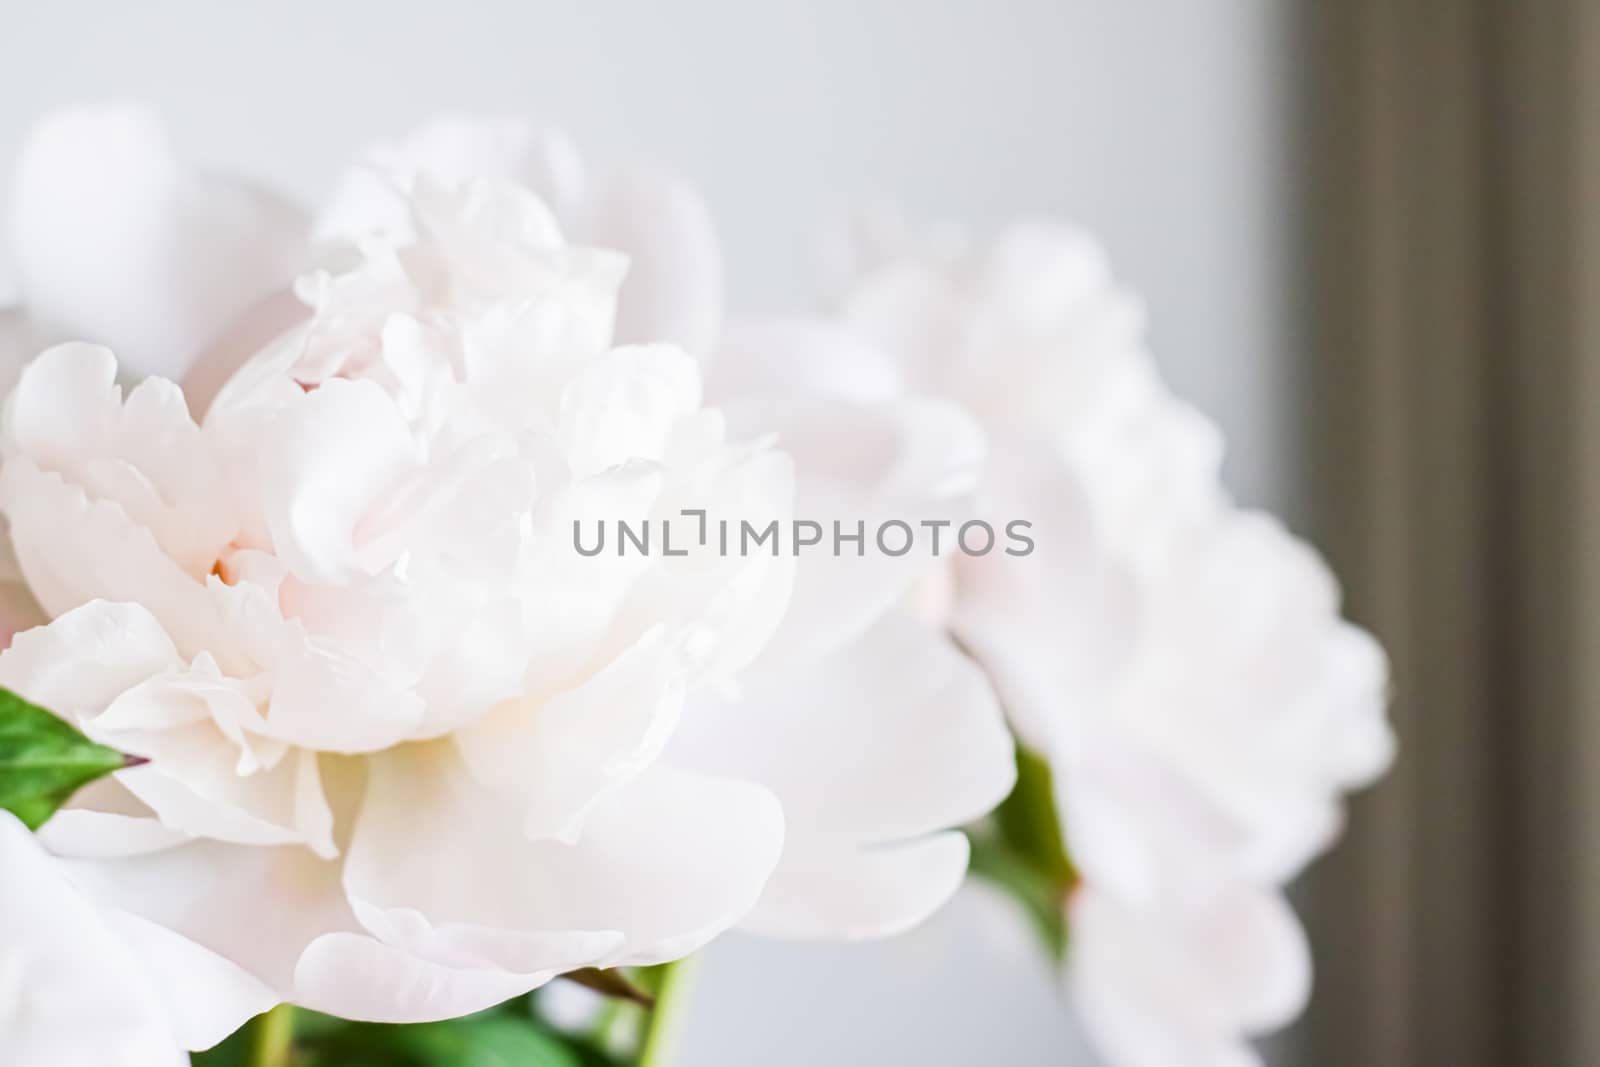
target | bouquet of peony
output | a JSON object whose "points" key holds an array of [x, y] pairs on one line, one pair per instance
{"points": [[424, 605]]}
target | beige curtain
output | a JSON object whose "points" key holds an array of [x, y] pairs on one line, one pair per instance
{"points": [[1455, 177]]}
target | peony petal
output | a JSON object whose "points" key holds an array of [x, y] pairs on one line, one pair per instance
{"points": [[907, 753], [206, 996], [252, 330], [1174, 988], [84, 834], [118, 242], [567, 751], [73, 550], [1056, 626], [450, 149], [704, 845], [358, 977], [325, 699], [258, 907], [673, 291], [342, 448], [895, 475], [73, 992], [144, 454], [88, 657], [1252, 690], [625, 406], [1133, 824], [193, 785], [861, 893]]}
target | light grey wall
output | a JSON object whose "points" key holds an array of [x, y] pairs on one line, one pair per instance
{"points": [[1159, 123]]}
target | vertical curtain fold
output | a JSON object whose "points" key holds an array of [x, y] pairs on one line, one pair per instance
{"points": [[1455, 306]]}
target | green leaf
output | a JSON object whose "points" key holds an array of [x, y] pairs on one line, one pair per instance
{"points": [[1028, 822], [44, 760], [1020, 849], [1041, 897], [488, 1040]]}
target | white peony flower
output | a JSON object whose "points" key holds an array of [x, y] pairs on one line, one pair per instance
{"points": [[81, 986], [673, 290], [411, 754], [867, 853], [1181, 662], [366, 553]]}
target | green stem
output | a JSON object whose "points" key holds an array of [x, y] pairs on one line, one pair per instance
{"points": [[272, 1037], [665, 1026]]}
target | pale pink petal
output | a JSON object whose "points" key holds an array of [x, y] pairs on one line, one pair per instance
{"points": [[72, 990], [119, 242], [355, 976], [258, 907], [1055, 618], [851, 894], [565, 751], [673, 290], [340, 450], [1186, 987], [907, 752], [704, 845], [72, 550], [886, 486], [251, 331], [206, 997], [88, 657]]}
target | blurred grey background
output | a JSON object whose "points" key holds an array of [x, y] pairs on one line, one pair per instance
{"points": [[1368, 238]]}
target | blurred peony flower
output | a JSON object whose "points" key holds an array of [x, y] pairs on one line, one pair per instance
{"points": [[85, 987], [1180, 661], [1178, 985], [114, 240], [410, 754]]}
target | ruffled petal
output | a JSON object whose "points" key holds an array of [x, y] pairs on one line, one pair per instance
{"points": [[340, 451], [673, 291], [73, 550]]}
